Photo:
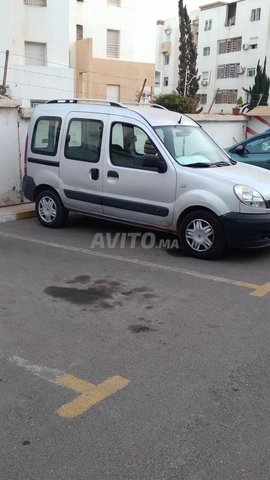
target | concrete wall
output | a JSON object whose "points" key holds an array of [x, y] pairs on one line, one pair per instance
{"points": [[11, 153], [224, 129]]}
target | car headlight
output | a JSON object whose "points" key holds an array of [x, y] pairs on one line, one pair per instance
{"points": [[249, 196]]}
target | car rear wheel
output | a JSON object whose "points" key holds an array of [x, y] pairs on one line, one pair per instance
{"points": [[50, 209], [201, 235]]}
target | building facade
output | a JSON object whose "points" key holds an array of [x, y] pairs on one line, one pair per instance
{"points": [[232, 38], [67, 48], [38, 63]]}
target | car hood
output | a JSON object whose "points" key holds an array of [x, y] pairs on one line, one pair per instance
{"points": [[243, 174]]}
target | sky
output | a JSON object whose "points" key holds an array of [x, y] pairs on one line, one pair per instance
{"points": [[169, 8]]}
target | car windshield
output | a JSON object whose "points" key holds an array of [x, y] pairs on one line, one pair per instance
{"points": [[191, 146]]}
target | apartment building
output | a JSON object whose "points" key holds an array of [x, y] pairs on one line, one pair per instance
{"points": [[232, 38], [36, 34], [67, 48], [167, 52], [110, 63]]}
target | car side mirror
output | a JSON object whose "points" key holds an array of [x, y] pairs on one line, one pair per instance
{"points": [[240, 149], [154, 162]]}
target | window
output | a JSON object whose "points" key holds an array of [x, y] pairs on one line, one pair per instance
{"points": [[226, 96], [129, 146], [203, 98], [255, 14], [79, 32], [113, 93], [114, 3], [230, 16], [46, 135], [208, 25], [165, 81], [166, 59], [157, 79], [39, 3], [230, 70], [206, 51], [83, 140], [35, 53], [230, 45], [251, 72], [113, 43]]}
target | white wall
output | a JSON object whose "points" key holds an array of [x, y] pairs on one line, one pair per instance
{"points": [[10, 159]]}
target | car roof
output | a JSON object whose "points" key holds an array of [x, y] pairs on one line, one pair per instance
{"points": [[155, 115]]}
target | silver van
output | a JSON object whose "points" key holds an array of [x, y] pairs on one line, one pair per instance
{"points": [[145, 166]]}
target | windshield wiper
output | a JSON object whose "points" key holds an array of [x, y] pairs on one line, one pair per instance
{"points": [[198, 165], [221, 164]]}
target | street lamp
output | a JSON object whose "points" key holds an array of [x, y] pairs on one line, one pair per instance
{"points": [[188, 82]]}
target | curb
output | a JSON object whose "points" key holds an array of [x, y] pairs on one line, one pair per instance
{"points": [[17, 212], [24, 215]]}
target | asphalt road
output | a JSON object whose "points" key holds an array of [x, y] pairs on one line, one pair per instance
{"points": [[130, 363]]}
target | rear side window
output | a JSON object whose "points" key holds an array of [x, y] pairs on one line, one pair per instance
{"points": [[46, 135], [83, 141]]}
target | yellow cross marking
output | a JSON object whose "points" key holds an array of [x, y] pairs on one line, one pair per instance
{"points": [[258, 290], [90, 394]]}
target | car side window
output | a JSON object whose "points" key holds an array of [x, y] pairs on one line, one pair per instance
{"points": [[83, 140], [260, 145], [131, 147], [46, 135]]}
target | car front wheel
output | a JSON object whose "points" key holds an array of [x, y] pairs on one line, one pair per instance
{"points": [[50, 209], [201, 235]]}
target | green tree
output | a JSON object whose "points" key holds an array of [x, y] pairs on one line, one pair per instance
{"points": [[259, 93], [188, 81]]}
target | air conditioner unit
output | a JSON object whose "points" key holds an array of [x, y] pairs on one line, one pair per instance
{"points": [[204, 83], [7, 93], [241, 70], [245, 46]]}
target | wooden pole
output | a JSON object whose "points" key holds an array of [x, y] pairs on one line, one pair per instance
{"points": [[142, 89], [4, 88]]}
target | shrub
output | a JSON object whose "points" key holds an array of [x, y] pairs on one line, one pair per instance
{"points": [[175, 102]]}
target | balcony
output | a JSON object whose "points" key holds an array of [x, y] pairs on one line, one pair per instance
{"points": [[166, 48]]}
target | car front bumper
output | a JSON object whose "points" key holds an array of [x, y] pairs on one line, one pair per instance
{"points": [[246, 230]]}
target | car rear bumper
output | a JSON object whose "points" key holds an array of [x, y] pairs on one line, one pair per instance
{"points": [[246, 230], [28, 187]]}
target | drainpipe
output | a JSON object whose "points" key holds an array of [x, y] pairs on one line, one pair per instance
{"points": [[19, 155]]}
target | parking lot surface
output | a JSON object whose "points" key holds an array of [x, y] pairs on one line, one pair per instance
{"points": [[120, 363]]}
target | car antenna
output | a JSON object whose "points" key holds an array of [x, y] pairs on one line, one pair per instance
{"points": [[180, 119]]}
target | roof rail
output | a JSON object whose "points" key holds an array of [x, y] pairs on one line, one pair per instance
{"points": [[87, 100], [153, 105]]}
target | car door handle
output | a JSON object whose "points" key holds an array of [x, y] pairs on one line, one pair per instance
{"points": [[94, 173], [113, 174]]}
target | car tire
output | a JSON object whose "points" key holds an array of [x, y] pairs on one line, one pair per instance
{"points": [[50, 210], [202, 236]]}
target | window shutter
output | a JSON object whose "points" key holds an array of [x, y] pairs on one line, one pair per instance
{"points": [[113, 43], [35, 53]]}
